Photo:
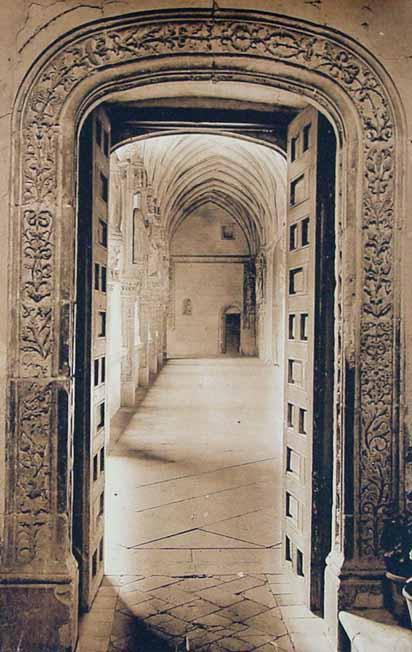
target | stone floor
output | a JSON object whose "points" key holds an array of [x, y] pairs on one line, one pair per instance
{"points": [[193, 504]]}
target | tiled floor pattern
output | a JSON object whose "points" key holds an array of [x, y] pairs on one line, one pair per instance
{"points": [[193, 505], [215, 613]]}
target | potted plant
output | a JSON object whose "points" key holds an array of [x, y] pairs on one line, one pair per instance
{"points": [[407, 594], [397, 546]]}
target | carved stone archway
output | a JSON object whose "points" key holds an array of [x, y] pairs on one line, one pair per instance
{"points": [[72, 77]]}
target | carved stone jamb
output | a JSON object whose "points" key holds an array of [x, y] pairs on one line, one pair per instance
{"points": [[238, 46]]}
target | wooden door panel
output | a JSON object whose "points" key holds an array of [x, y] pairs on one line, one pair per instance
{"points": [[300, 341], [91, 361], [98, 403], [308, 431]]}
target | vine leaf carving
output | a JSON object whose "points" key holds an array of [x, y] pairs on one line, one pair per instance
{"points": [[36, 313], [33, 468]]}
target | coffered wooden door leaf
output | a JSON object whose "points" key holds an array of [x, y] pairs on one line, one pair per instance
{"points": [[91, 358], [309, 350]]}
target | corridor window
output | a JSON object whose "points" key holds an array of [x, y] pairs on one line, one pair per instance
{"points": [[228, 232]]}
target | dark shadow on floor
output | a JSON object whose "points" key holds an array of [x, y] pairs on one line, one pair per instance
{"points": [[157, 633]]}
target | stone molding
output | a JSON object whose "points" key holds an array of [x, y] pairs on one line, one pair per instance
{"points": [[236, 36], [213, 258]]}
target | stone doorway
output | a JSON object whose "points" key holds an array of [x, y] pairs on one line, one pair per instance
{"points": [[236, 48], [232, 333]]}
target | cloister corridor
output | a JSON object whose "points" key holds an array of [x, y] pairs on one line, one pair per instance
{"points": [[193, 526]]}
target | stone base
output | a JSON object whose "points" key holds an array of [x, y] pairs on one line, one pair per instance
{"points": [[349, 589], [144, 377], [38, 617], [128, 394]]}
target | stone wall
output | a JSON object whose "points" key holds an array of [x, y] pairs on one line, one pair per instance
{"points": [[211, 287], [204, 274], [202, 234]]}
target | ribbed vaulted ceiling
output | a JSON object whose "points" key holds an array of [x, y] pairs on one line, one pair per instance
{"points": [[245, 178]]}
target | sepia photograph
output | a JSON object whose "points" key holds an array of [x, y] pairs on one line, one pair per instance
{"points": [[206, 326]]}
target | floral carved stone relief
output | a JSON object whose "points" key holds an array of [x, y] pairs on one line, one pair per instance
{"points": [[32, 499], [36, 291], [263, 38]]}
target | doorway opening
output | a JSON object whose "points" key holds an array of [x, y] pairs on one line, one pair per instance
{"points": [[232, 332], [234, 222]]}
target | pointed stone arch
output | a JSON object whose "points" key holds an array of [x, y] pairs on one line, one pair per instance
{"points": [[72, 77]]}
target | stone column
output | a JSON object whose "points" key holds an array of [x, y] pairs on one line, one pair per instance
{"points": [[144, 370], [130, 343], [248, 333], [116, 255], [152, 354]]}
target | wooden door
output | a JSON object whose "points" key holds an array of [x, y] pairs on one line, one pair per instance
{"points": [[308, 425], [91, 411], [232, 333]]}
